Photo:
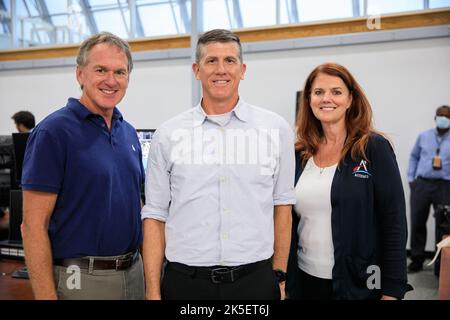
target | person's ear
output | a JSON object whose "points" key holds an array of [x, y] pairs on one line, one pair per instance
{"points": [[351, 101], [244, 69], [195, 69], [21, 128], [79, 73]]}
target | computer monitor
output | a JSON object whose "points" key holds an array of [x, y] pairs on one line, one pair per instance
{"points": [[145, 137], [15, 218], [6, 169], [19, 144]]}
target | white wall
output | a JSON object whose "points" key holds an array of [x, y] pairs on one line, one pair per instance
{"points": [[157, 91], [405, 82]]}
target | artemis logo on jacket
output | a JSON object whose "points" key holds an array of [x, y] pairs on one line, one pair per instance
{"points": [[361, 171]]}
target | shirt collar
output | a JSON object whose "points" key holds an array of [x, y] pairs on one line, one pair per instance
{"points": [[241, 111], [83, 113]]}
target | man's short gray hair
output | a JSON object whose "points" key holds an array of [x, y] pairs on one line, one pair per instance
{"points": [[217, 35], [103, 37]]}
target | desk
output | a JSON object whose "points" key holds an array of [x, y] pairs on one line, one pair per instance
{"points": [[12, 288]]}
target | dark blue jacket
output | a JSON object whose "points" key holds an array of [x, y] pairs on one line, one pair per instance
{"points": [[368, 223]]}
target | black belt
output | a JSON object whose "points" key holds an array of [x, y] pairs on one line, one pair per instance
{"points": [[100, 263], [218, 274], [433, 180]]}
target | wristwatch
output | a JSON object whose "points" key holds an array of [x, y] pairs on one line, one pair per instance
{"points": [[280, 275]]}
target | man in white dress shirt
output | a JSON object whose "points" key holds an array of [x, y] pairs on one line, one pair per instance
{"points": [[219, 190]]}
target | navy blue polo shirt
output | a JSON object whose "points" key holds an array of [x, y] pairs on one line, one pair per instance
{"points": [[97, 175]]}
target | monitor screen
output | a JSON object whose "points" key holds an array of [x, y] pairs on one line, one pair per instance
{"points": [[6, 171], [19, 143], [145, 137], [15, 218]]}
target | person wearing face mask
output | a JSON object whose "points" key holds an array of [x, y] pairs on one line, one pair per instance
{"points": [[429, 180]]}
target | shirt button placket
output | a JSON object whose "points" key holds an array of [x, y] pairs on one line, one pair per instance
{"points": [[223, 220]]}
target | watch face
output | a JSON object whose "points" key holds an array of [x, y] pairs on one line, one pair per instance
{"points": [[280, 275]]}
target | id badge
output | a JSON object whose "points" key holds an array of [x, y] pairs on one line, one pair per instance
{"points": [[437, 163]]}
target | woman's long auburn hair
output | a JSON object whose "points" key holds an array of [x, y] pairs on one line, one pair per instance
{"points": [[358, 118]]}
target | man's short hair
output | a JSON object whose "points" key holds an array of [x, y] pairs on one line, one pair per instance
{"points": [[24, 118], [442, 108], [217, 35], [103, 37]]}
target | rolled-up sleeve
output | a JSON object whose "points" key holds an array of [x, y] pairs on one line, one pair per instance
{"points": [[283, 192], [157, 181]]}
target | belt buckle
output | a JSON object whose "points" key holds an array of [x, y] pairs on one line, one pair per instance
{"points": [[121, 261], [217, 272]]}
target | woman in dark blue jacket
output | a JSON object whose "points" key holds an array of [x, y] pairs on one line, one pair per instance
{"points": [[349, 224]]}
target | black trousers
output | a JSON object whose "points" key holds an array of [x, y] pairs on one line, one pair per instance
{"points": [[425, 193], [312, 288], [260, 284]]}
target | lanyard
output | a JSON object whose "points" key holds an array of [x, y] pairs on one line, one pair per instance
{"points": [[439, 141]]}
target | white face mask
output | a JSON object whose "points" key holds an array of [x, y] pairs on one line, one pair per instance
{"points": [[442, 122]]}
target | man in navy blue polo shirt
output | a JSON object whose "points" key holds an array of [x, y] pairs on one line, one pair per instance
{"points": [[82, 176]]}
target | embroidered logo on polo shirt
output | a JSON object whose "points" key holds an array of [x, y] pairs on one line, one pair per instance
{"points": [[361, 171]]}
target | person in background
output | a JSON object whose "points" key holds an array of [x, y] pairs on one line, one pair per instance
{"points": [[217, 209], [349, 224], [429, 181], [24, 121], [82, 176]]}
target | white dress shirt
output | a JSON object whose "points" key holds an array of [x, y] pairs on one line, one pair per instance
{"points": [[214, 181]]}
